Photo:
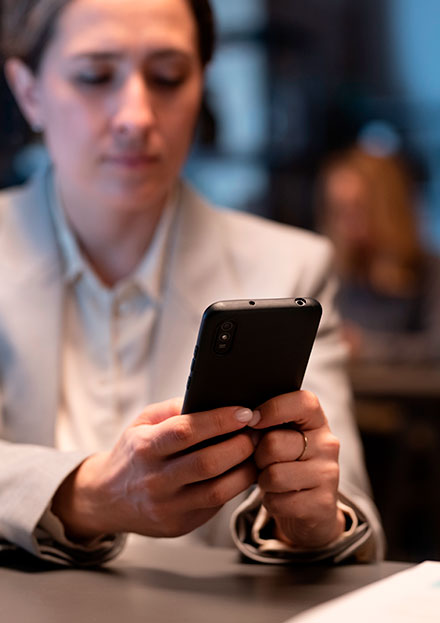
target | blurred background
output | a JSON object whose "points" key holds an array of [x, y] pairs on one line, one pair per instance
{"points": [[294, 82]]}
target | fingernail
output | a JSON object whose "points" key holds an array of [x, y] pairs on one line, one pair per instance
{"points": [[244, 415], [256, 417]]}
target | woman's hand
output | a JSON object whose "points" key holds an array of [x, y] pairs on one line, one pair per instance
{"points": [[152, 482], [300, 494]]}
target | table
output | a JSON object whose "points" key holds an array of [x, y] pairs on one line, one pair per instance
{"points": [[157, 582]]}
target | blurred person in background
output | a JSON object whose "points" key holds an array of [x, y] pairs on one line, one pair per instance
{"points": [[107, 261], [390, 284]]}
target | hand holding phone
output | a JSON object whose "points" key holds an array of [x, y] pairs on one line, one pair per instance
{"points": [[254, 353]]}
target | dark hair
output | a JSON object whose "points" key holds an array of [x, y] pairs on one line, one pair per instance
{"points": [[204, 18], [28, 26]]}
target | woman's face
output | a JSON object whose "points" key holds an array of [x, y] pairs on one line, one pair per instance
{"points": [[117, 95], [346, 208]]}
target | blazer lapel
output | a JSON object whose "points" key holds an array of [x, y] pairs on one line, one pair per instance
{"points": [[200, 271], [31, 301]]}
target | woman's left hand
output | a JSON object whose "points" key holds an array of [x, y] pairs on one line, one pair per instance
{"points": [[299, 494]]}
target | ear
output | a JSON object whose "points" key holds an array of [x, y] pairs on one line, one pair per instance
{"points": [[24, 85]]}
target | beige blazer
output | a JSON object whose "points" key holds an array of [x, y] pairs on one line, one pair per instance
{"points": [[217, 254]]}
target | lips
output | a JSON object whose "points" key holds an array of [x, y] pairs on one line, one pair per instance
{"points": [[132, 160]]}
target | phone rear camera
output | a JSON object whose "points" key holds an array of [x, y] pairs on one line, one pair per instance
{"points": [[227, 326], [224, 337], [300, 302]]}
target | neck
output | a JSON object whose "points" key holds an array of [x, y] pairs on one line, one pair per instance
{"points": [[113, 240]]}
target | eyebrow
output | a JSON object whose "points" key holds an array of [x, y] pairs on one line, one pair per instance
{"points": [[115, 55]]}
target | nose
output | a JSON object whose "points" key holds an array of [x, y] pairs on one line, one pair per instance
{"points": [[134, 116]]}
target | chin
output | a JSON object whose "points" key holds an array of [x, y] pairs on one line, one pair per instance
{"points": [[127, 202], [132, 193]]}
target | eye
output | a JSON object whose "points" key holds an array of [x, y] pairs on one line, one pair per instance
{"points": [[167, 82], [94, 78]]}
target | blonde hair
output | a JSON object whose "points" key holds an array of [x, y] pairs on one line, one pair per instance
{"points": [[390, 206]]}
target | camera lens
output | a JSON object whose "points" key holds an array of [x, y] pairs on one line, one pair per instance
{"points": [[300, 302], [227, 326], [224, 338]]}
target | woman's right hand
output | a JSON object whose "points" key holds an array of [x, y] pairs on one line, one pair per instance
{"points": [[152, 482]]}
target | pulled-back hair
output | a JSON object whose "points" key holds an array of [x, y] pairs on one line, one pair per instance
{"points": [[28, 26], [389, 205]]}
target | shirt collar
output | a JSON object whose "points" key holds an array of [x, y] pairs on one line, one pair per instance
{"points": [[147, 276]]}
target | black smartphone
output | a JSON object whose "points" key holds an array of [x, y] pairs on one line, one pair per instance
{"points": [[249, 351]]}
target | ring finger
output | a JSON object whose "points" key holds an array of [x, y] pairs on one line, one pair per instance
{"points": [[282, 445]]}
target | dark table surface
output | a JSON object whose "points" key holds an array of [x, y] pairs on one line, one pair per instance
{"points": [[159, 582]]}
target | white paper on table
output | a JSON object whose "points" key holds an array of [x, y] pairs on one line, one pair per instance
{"points": [[410, 596]]}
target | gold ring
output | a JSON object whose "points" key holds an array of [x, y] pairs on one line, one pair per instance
{"points": [[305, 444]]}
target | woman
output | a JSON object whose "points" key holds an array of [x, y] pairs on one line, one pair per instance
{"points": [[390, 286], [109, 261]]}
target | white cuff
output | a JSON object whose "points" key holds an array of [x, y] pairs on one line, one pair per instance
{"points": [[54, 545], [250, 518], [273, 545]]}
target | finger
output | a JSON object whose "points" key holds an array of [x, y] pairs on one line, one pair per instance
{"points": [[289, 476], [216, 492], [293, 477], [177, 434], [212, 461], [307, 506], [301, 408], [159, 411], [280, 445], [294, 504]]}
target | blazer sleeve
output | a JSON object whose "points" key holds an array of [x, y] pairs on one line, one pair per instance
{"points": [[29, 477], [31, 472]]}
